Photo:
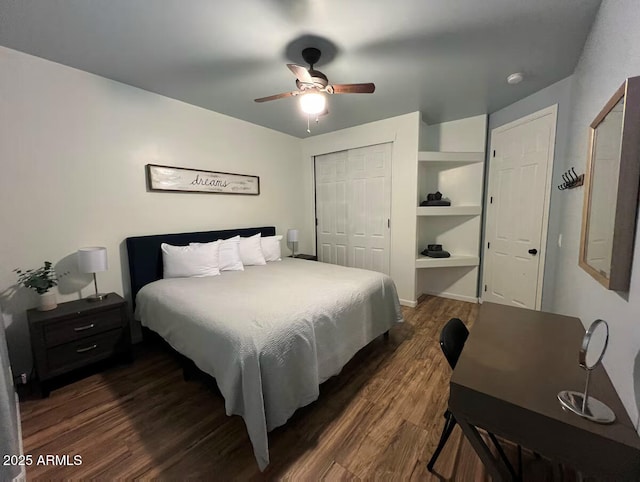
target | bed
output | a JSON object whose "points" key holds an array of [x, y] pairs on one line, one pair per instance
{"points": [[269, 335]]}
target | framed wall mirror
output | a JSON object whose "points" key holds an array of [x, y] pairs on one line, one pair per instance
{"points": [[611, 189]]}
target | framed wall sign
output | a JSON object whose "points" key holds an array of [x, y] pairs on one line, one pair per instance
{"points": [[170, 178]]}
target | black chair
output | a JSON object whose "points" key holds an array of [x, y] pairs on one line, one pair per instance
{"points": [[452, 339]]}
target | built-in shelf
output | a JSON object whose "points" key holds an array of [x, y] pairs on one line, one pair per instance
{"points": [[470, 210], [451, 157], [458, 175], [451, 262]]}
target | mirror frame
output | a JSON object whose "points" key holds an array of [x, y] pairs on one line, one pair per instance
{"points": [[586, 341], [627, 196]]}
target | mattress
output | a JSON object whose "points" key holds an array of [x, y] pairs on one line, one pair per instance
{"points": [[270, 335]]}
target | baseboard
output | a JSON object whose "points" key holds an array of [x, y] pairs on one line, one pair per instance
{"points": [[410, 304], [453, 296]]}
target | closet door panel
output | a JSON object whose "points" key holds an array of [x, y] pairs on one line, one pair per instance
{"points": [[331, 208], [353, 206], [369, 172], [379, 259]]}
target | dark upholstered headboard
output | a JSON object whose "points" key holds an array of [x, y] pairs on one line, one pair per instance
{"points": [[145, 256]]}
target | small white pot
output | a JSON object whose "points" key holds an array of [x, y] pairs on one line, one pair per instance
{"points": [[47, 301]]}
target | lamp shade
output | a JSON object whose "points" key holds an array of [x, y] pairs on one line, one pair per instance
{"points": [[292, 236], [92, 260], [313, 103]]}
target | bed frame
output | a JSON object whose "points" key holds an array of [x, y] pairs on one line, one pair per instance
{"points": [[145, 266], [145, 256]]}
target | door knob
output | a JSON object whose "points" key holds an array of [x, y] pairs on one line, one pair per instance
{"points": [[533, 251]]}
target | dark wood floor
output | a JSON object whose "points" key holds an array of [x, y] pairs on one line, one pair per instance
{"points": [[379, 419]]}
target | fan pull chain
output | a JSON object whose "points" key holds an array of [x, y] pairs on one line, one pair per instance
{"points": [[309, 122]]}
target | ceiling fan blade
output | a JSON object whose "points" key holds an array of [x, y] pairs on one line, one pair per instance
{"points": [[301, 73], [354, 88], [276, 96]]}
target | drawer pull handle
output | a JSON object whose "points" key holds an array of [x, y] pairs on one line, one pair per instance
{"points": [[82, 328], [89, 348]]}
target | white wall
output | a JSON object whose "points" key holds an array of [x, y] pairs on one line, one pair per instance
{"points": [[73, 147], [463, 135], [459, 235], [611, 54], [403, 132]]}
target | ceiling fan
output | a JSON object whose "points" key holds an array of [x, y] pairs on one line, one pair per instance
{"points": [[313, 84]]}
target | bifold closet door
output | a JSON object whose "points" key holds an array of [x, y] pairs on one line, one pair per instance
{"points": [[331, 208], [353, 207]]}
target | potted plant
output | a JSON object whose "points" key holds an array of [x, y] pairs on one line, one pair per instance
{"points": [[41, 280]]}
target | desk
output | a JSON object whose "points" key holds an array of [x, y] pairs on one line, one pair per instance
{"points": [[506, 381]]}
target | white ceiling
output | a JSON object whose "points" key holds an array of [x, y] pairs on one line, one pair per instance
{"points": [[447, 58]]}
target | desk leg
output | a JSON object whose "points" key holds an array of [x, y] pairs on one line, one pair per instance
{"points": [[494, 467]]}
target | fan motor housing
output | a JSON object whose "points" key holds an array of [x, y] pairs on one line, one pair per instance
{"points": [[319, 80]]}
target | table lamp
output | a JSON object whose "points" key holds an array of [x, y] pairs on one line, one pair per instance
{"points": [[292, 237], [93, 260]]}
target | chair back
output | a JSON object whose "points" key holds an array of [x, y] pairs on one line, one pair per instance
{"points": [[452, 339]]}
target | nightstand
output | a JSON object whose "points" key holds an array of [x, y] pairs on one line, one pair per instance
{"points": [[77, 334], [309, 257]]}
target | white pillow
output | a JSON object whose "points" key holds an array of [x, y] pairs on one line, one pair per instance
{"points": [[271, 248], [251, 251], [190, 261], [230, 254]]}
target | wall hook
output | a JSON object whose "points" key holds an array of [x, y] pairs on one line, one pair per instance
{"points": [[571, 180]]}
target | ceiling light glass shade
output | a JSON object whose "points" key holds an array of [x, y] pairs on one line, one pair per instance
{"points": [[313, 103]]}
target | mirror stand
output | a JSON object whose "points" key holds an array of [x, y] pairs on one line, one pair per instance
{"points": [[581, 403], [585, 406]]}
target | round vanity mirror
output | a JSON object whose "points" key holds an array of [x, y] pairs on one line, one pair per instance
{"points": [[594, 346]]}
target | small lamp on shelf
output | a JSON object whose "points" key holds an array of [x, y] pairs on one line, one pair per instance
{"points": [[292, 237], [93, 260]]}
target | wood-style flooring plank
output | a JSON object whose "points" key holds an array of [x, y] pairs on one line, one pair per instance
{"points": [[379, 419], [337, 473]]}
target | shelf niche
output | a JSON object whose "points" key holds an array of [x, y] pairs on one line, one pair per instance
{"points": [[455, 169], [451, 262], [469, 210], [452, 158]]}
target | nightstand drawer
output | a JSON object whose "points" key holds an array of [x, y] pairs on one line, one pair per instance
{"points": [[61, 332], [78, 333], [79, 353]]}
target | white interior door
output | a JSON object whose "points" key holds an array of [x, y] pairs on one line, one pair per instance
{"points": [[517, 209], [353, 207]]}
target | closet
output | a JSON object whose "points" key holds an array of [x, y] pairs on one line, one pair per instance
{"points": [[353, 207]]}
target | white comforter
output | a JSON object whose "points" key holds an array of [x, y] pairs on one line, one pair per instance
{"points": [[270, 335]]}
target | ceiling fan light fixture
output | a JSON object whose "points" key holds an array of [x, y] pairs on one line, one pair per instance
{"points": [[313, 103]]}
